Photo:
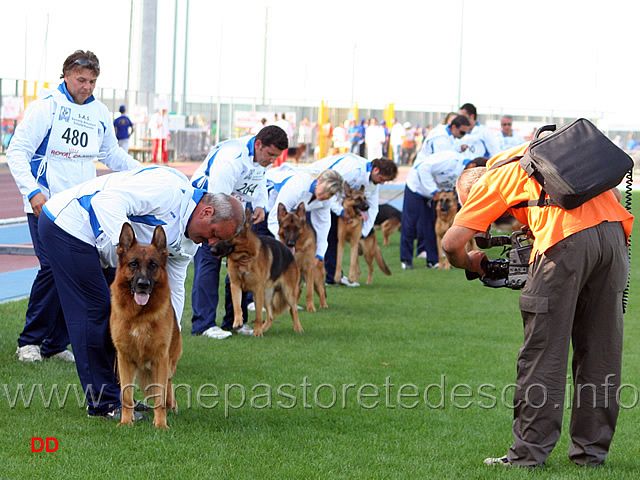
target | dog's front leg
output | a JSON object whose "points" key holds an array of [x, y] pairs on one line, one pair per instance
{"points": [[310, 281], [127, 373], [258, 299], [340, 251], [158, 389], [236, 297], [354, 266]]}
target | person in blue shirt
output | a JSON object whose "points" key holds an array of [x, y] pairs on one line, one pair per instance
{"points": [[122, 124]]}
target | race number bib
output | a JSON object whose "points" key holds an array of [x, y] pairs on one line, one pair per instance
{"points": [[74, 134]]}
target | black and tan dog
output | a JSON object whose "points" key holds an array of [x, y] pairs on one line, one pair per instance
{"points": [[355, 205], [143, 324], [446, 207], [300, 237], [389, 221], [264, 266]]}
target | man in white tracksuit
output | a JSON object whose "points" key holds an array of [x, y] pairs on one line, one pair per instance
{"points": [[235, 167], [357, 172], [293, 186], [480, 142], [82, 226], [54, 148], [429, 175], [448, 138]]}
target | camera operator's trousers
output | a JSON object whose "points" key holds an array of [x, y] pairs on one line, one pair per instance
{"points": [[573, 295]]}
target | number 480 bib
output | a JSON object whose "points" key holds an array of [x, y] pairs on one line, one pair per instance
{"points": [[74, 133]]}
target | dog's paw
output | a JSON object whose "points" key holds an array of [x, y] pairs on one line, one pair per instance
{"points": [[123, 423], [311, 307], [300, 329], [257, 333], [324, 305]]}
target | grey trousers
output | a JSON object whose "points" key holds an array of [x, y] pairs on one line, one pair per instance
{"points": [[573, 295]]}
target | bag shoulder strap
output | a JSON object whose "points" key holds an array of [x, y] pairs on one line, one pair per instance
{"points": [[542, 201]]}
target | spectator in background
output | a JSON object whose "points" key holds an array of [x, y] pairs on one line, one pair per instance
{"points": [[124, 129], [340, 139], [285, 125], [408, 144], [631, 143], [481, 142], [258, 126], [356, 135], [374, 138], [396, 138], [506, 136], [305, 136], [385, 144], [159, 130]]}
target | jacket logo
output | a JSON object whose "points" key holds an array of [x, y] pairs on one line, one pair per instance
{"points": [[65, 114]]}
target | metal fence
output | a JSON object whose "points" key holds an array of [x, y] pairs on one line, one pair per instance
{"points": [[203, 121]]}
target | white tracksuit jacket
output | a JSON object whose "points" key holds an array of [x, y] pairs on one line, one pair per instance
{"points": [[57, 142], [95, 211]]}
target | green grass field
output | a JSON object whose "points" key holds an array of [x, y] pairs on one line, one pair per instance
{"points": [[401, 379]]}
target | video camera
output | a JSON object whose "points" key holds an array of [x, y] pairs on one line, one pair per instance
{"points": [[509, 271]]}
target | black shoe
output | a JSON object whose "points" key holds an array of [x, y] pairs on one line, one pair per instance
{"points": [[116, 414], [407, 266], [141, 407], [433, 265]]}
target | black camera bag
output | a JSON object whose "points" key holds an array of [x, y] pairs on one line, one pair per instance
{"points": [[573, 164]]}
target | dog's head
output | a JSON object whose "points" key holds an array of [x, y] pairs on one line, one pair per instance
{"points": [[142, 266], [356, 200], [224, 248], [292, 225], [447, 204]]}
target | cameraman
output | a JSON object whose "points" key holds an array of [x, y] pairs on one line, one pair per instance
{"points": [[573, 295]]}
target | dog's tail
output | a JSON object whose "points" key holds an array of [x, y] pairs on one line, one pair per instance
{"points": [[380, 261], [280, 302]]}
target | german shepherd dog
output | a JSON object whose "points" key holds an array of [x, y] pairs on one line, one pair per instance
{"points": [[355, 205], [300, 237], [388, 220], [264, 266], [143, 325], [446, 208]]}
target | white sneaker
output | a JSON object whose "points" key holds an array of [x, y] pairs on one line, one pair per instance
{"points": [[29, 353], [345, 281], [501, 461], [252, 307], [245, 329], [422, 255], [65, 356], [216, 332]]}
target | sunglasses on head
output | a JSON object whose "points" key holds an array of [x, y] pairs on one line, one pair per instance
{"points": [[83, 62]]}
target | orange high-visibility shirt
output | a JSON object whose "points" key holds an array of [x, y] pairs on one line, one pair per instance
{"points": [[498, 189]]}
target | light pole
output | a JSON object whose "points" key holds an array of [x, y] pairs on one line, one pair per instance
{"points": [[460, 56], [264, 56]]}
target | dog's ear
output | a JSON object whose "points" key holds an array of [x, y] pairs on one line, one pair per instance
{"points": [[282, 211], [159, 239], [347, 190], [248, 218], [301, 211], [127, 239]]}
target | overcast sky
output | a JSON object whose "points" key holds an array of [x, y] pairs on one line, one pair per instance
{"points": [[567, 56]]}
